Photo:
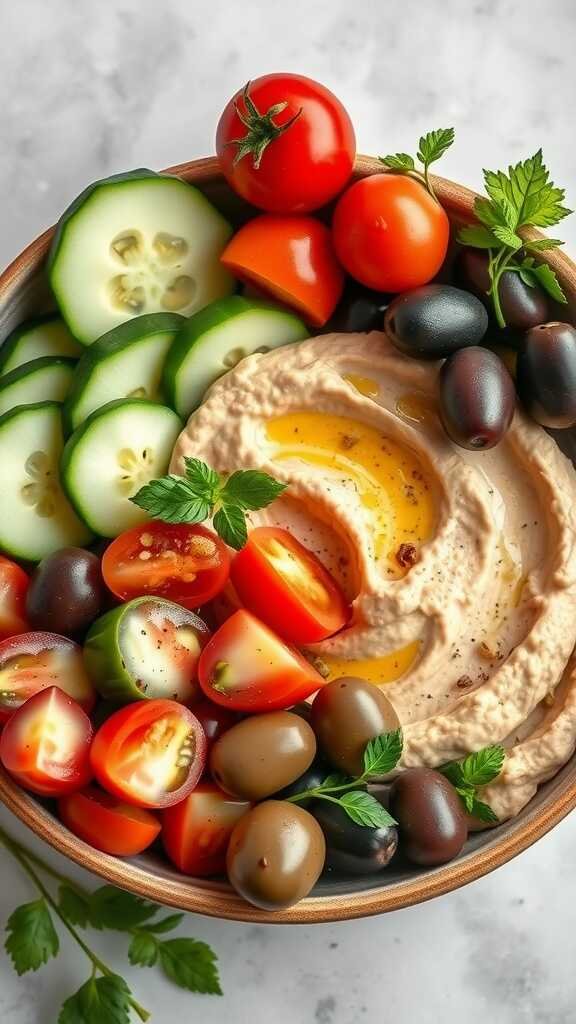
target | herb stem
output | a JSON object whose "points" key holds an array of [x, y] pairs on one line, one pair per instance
{"points": [[319, 792], [46, 868]]}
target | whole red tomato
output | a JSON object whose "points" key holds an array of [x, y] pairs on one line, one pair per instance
{"points": [[286, 144], [390, 233]]}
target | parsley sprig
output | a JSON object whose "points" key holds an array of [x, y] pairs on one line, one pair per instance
{"points": [[472, 772], [205, 494], [431, 147], [522, 198], [32, 940]]}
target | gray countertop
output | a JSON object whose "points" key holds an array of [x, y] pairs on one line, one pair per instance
{"points": [[88, 89]]}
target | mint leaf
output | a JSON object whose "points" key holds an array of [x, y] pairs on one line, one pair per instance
{"points": [[383, 753], [365, 809], [466, 794], [508, 237], [477, 236], [434, 144], [483, 811], [476, 769], [453, 772], [251, 489], [119, 910], [143, 950], [203, 479], [75, 907], [172, 499], [100, 1001], [398, 161], [166, 924], [541, 244], [32, 938], [191, 965], [230, 524], [548, 281]]}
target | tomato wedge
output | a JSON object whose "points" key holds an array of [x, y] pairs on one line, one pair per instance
{"points": [[107, 823], [150, 754], [246, 667], [186, 564], [13, 587], [287, 587], [46, 744], [33, 661], [196, 831]]}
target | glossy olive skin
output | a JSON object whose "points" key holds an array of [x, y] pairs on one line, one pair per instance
{"points": [[353, 849], [66, 593], [359, 310], [275, 855], [346, 713], [522, 307], [546, 374], [262, 754], [431, 819], [477, 398], [433, 321], [310, 779]]}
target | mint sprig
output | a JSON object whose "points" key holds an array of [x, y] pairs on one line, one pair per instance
{"points": [[202, 493], [472, 772], [431, 147]]}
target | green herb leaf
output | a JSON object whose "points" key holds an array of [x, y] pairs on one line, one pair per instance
{"points": [[483, 811], [119, 910], [251, 489], [548, 281], [434, 144], [191, 965], [203, 479], [525, 274], [488, 213], [480, 768], [143, 950], [478, 236], [383, 753], [527, 187], [336, 780], [365, 809], [172, 499], [76, 908], [508, 237], [398, 161], [466, 793], [32, 938], [167, 924], [100, 1000], [453, 772], [230, 524], [541, 244]]}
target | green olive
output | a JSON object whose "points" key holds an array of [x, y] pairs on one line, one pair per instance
{"points": [[275, 855], [262, 754], [345, 715]]}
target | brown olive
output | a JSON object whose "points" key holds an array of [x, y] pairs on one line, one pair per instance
{"points": [[547, 374], [431, 819], [477, 398], [346, 713], [66, 592], [275, 855], [262, 754]]}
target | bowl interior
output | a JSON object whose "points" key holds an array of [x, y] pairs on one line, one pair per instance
{"points": [[23, 292]]}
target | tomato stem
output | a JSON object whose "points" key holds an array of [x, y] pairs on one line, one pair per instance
{"points": [[261, 129]]}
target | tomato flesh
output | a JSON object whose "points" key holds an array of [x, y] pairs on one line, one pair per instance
{"points": [[46, 744], [196, 832], [149, 754], [185, 564], [13, 588], [31, 662], [288, 588], [246, 667], [107, 823]]}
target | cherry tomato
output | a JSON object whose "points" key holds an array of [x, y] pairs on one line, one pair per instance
{"points": [[215, 720], [288, 160], [150, 754], [46, 744], [13, 587], [291, 258], [196, 831], [245, 666], [107, 823], [186, 564], [390, 233], [34, 661], [287, 587]]}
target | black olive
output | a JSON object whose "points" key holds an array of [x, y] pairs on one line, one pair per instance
{"points": [[477, 398], [350, 848], [310, 779], [66, 593], [433, 321], [359, 310], [431, 819], [522, 306], [546, 374]]}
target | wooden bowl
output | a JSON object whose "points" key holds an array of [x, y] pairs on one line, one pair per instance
{"points": [[22, 292]]}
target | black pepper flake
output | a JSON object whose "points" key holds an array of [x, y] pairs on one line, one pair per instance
{"points": [[464, 682]]}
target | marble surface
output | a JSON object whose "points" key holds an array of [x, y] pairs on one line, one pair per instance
{"points": [[88, 89]]}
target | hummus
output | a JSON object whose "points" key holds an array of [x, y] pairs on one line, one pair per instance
{"points": [[460, 566]]}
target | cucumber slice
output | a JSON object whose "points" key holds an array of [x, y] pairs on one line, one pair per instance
{"points": [[136, 243], [125, 363], [43, 336], [218, 337], [111, 456], [35, 516], [43, 380]]}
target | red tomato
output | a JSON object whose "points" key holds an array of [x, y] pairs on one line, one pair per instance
{"points": [[46, 744], [186, 564], [286, 144], [150, 754], [13, 586], [34, 661], [287, 587], [292, 258], [390, 233], [214, 719], [245, 666], [196, 831], [108, 824]]}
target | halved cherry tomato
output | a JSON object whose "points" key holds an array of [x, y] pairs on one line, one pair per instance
{"points": [[186, 564], [13, 587], [214, 719], [390, 233], [287, 587], [32, 662], [246, 667], [46, 744], [196, 832], [290, 160], [291, 258], [108, 824], [150, 754]]}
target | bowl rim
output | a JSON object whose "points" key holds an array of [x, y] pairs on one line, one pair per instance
{"points": [[215, 898]]}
